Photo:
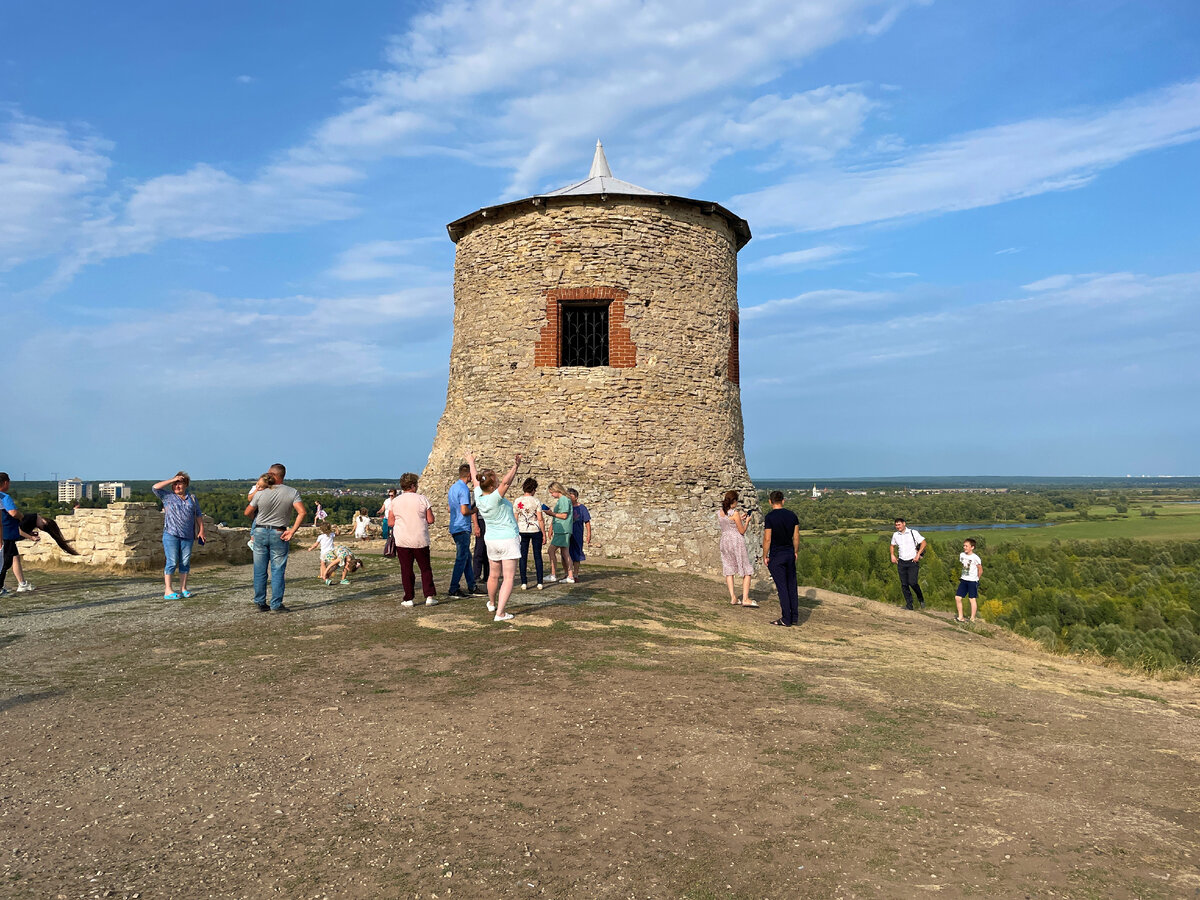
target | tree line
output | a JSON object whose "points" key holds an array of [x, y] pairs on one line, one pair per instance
{"points": [[1136, 601]]}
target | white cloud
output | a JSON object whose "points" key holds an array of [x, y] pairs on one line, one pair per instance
{"points": [[508, 81], [379, 259], [197, 341], [48, 183], [1071, 330], [245, 79], [819, 300], [809, 258], [984, 167]]}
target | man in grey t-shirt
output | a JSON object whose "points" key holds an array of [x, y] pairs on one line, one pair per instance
{"points": [[271, 533]]}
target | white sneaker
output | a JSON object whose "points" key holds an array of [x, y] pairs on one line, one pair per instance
{"points": [[24, 586], [406, 603], [524, 587], [429, 601], [550, 579], [540, 585], [568, 581], [491, 606], [503, 618]]}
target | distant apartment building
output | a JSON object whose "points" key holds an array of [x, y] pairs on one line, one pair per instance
{"points": [[114, 490], [75, 489]]}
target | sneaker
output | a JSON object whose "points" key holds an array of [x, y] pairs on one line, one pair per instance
{"points": [[477, 591], [344, 581], [329, 581], [24, 586], [568, 581], [503, 618], [430, 601], [262, 607], [458, 592], [406, 603], [524, 586], [4, 592], [540, 586], [550, 579], [281, 608]]}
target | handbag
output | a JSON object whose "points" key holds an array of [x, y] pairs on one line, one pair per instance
{"points": [[389, 547]]}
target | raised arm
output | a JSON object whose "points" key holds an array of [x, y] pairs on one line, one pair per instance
{"points": [[162, 485], [470, 457], [742, 521], [507, 480]]}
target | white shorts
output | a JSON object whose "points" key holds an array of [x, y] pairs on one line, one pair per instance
{"points": [[508, 548]]}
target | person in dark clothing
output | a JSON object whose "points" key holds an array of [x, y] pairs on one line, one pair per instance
{"points": [[781, 543]]}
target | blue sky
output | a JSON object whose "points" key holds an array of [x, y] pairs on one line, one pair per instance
{"points": [[976, 250]]}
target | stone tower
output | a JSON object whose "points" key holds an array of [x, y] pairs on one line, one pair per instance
{"points": [[596, 333]]}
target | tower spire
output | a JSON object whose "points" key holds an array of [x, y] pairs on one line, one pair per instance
{"points": [[600, 164]]}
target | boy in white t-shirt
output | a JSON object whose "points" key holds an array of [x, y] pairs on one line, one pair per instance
{"points": [[968, 582]]}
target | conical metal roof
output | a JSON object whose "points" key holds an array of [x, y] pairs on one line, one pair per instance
{"points": [[600, 183]]}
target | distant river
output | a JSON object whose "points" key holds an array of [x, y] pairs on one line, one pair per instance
{"points": [[982, 527]]}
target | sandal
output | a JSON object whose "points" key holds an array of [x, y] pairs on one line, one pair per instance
{"points": [[171, 596], [735, 602], [185, 594], [750, 605], [782, 623]]}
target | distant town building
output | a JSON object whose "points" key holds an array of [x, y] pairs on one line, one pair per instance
{"points": [[114, 490], [75, 489], [816, 493]]}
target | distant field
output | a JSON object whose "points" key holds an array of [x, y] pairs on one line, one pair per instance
{"points": [[1172, 522], [1178, 523]]}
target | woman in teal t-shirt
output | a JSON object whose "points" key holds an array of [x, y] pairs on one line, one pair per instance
{"points": [[500, 534], [560, 537]]}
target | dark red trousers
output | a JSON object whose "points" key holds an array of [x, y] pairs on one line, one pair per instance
{"points": [[406, 556]]}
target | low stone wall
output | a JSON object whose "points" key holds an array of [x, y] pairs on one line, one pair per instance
{"points": [[129, 535]]}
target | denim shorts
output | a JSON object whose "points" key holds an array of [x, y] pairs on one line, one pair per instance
{"points": [[178, 552]]}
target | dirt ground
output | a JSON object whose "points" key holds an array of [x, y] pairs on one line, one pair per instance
{"points": [[630, 736]]}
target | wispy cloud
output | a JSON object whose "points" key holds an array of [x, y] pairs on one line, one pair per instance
{"points": [[500, 82], [49, 179], [819, 300], [1067, 330], [1008, 251], [381, 260], [809, 258], [983, 167]]}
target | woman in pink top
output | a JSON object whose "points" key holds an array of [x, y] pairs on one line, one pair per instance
{"points": [[410, 517]]}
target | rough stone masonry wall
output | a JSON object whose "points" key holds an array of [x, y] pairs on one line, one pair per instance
{"points": [[651, 446], [129, 535]]}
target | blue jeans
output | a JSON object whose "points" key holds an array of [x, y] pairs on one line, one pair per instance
{"points": [[462, 561], [269, 546], [179, 554]]}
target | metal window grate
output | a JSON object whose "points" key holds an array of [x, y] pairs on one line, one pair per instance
{"points": [[584, 335]]}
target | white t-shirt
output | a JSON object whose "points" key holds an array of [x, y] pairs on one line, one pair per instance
{"points": [[970, 566], [906, 543], [387, 508], [325, 542], [360, 525], [526, 509]]}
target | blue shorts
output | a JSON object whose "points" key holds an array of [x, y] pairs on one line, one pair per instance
{"points": [[967, 589]]}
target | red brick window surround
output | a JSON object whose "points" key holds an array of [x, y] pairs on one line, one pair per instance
{"points": [[735, 373], [622, 354]]}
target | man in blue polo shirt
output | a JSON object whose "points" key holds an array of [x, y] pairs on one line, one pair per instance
{"points": [[11, 534], [459, 501]]}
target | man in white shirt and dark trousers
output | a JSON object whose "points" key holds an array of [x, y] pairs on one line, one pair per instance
{"points": [[909, 544]]}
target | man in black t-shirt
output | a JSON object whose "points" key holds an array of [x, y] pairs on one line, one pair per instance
{"points": [[781, 543]]}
